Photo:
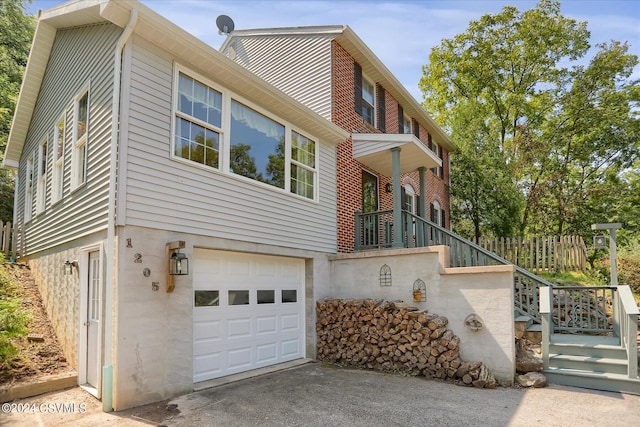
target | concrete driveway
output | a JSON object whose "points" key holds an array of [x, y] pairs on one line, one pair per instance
{"points": [[320, 395]]}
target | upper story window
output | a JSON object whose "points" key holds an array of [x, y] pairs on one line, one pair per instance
{"points": [[406, 124], [257, 146], [80, 139], [439, 170], [215, 130], [364, 95], [404, 121], [58, 160], [28, 190], [198, 122], [303, 165], [368, 100], [41, 183]]}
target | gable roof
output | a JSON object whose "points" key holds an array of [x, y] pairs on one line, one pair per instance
{"points": [[173, 39], [371, 65]]}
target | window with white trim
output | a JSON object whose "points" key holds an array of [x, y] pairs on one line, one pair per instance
{"points": [[304, 170], [242, 141], [406, 124], [368, 100], [28, 190], [80, 139], [409, 199], [41, 183], [198, 122], [58, 160]]}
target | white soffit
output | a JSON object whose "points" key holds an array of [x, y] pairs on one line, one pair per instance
{"points": [[374, 151]]}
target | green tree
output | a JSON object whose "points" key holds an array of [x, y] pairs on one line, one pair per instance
{"points": [[16, 32], [539, 140]]}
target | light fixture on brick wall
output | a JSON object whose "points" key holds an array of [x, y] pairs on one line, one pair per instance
{"points": [[388, 188]]}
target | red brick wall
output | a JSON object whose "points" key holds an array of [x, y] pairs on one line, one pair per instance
{"points": [[349, 173]]}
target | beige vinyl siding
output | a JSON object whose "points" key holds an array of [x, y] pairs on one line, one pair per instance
{"points": [[299, 66], [79, 56], [175, 195]]}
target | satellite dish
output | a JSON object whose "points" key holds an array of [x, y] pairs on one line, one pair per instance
{"points": [[225, 24]]}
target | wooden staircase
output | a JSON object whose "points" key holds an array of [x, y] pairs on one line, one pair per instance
{"points": [[593, 362], [601, 361]]}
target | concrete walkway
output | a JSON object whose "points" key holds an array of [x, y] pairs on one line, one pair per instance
{"points": [[320, 395]]}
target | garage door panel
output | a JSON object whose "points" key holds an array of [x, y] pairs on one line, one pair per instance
{"points": [[266, 353], [249, 315], [290, 348], [238, 328], [208, 330], [205, 367], [289, 321], [266, 324], [239, 358]]}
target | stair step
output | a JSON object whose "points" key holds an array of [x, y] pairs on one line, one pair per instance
{"points": [[589, 363], [536, 327], [599, 350], [593, 380], [584, 340]]}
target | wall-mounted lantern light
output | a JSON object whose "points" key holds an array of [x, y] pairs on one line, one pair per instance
{"points": [[177, 263], [69, 266], [388, 187]]}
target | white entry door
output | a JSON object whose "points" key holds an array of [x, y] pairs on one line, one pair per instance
{"points": [[93, 324], [248, 312]]}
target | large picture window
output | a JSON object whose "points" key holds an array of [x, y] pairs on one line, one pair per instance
{"points": [[218, 131], [257, 146], [198, 122]]}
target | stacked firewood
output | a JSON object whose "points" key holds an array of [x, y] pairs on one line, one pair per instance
{"points": [[392, 336]]}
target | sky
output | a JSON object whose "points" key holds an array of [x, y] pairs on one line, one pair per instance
{"points": [[400, 33]]}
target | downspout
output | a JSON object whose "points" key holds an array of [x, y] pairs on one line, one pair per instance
{"points": [[110, 250]]}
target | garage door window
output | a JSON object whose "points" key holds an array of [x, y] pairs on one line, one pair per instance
{"points": [[266, 297], [289, 295], [238, 297], [207, 298]]}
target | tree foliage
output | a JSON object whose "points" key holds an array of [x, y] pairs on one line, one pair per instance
{"points": [[16, 32], [541, 139]]}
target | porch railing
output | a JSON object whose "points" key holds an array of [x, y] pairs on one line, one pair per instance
{"points": [[374, 230], [627, 321], [583, 309]]}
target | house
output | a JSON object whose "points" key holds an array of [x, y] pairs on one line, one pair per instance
{"points": [[136, 144], [182, 216], [333, 72]]}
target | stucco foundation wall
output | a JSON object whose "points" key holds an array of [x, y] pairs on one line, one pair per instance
{"points": [[154, 347], [61, 293], [451, 292]]}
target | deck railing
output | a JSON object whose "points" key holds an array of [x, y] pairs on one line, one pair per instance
{"points": [[583, 309], [627, 320], [374, 230]]}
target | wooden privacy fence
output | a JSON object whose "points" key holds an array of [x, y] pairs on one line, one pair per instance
{"points": [[8, 239], [536, 253]]}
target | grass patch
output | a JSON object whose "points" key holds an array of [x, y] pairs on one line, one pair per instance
{"points": [[573, 278]]}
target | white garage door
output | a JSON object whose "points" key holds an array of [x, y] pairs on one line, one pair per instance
{"points": [[248, 312]]}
